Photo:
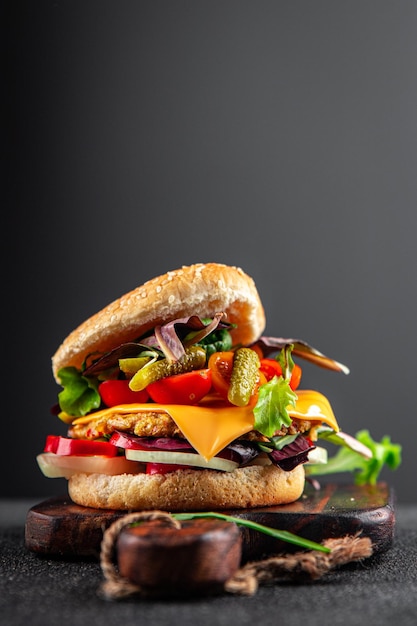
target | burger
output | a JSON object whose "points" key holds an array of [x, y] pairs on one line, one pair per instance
{"points": [[173, 398]]}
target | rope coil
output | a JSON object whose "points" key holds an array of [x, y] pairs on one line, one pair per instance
{"points": [[301, 566], [115, 586]]}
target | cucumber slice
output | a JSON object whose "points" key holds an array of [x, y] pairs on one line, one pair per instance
{"points": [[180, 458]]}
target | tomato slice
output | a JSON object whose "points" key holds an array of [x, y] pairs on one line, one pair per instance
{"points": [[164, 468], [57, 466], [187, 388], [295, 377], [114, 392], [271, 368], [221, 365], [64, 446]]}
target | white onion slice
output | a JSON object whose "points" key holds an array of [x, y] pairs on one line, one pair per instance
{"points": [[181, 458]]}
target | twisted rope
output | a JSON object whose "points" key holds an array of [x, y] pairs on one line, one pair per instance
{"points": [[114, 585], [300, 566]]}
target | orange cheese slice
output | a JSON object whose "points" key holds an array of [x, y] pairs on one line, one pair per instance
{"points": [[209, 430], [314, 407], [211, 426]]}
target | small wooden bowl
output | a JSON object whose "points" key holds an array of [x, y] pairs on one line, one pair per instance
{"points": [[196, 559]]}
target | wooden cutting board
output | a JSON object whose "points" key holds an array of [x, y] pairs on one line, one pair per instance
{"points": [[59, 528]]}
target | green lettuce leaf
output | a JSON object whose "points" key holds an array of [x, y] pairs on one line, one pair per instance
{"points": [[286, 361], [275, 396], [366, 469], [80, 394], [271, 411], [218, 341]]}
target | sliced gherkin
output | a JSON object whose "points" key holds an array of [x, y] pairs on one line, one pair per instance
{"points": [[244, 376], [131, 365], [193, 359]]}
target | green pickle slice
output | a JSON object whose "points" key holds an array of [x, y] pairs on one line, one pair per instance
{"points": [[131, 365], [244, 376], [193, 359]]}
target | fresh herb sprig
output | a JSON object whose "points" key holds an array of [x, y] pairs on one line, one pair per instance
{"points": [[283, 535], [349, 458]]}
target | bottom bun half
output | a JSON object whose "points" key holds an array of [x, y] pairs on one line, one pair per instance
{"points": [[189, 490]]}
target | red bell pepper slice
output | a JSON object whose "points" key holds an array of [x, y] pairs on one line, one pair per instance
{"points": [[64, 446], [114, 392], [187, 388]]}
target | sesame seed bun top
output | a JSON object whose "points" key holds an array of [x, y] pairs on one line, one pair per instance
{"points": [[203, 289]]}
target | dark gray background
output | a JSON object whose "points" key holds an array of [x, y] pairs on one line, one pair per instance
{"points": [[278, 136]]}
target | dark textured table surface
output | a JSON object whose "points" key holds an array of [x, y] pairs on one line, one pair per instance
{"points": [[37, 590]]}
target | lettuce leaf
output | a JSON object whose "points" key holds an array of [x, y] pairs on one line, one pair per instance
{"points": [[80, 394], [365, 468], [109, 361], [271, 411], [175, 336], [302, 349], [218, 341], [275, 397], [289, 456]]}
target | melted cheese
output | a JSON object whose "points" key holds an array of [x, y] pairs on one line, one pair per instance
{"points": [[211, 426], [314, 407], [208, 427]]}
